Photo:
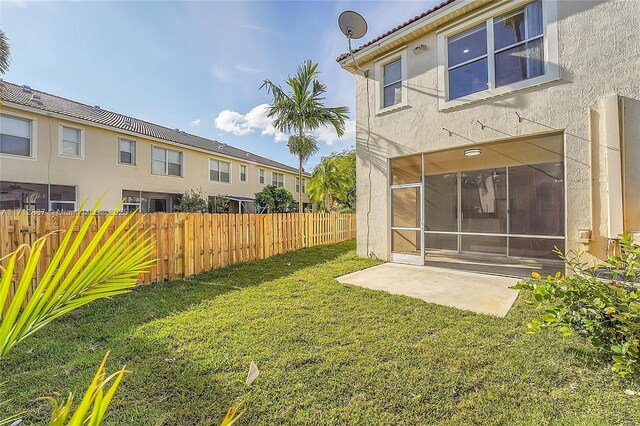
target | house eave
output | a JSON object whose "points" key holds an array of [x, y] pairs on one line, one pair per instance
{"points": [[412, 31]]}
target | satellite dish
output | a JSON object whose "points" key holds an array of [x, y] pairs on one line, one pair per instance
{"points": [[352, 24]]}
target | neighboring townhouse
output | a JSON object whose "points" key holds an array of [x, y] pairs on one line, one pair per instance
{"points": [[56, 153], [499, 129]]}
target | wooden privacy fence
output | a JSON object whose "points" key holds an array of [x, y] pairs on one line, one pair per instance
{"points": [[187, 243]]}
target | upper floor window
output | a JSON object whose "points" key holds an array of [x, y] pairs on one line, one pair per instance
{"points": [[219, 171], [391, 75], [277, 179], [126, 151], [304, 182], [166, 161], [502, 53], [70, 142], [392, 83], [261, 177], [15, 136], [243, 173]]}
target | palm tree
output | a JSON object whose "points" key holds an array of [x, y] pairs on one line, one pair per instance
{"points": [[326, 181], [302, 110], [304, 147], [4, 53]]}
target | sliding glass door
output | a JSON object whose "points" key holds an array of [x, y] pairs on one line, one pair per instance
{"points": [[513, 211], [483, 201]]}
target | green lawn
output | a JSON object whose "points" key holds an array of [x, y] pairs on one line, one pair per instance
{"points": [[328, 354]]}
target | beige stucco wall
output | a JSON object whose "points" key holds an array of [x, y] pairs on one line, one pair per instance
{"points": [[99, 171], [599, 55]]}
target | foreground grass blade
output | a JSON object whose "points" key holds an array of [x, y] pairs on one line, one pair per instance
{"points": [[94, 403]]}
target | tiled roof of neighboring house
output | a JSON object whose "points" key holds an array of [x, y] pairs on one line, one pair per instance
{"points": [[56, 104], [395, 29]]}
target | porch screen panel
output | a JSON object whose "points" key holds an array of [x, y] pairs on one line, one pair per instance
{"points": [[536, 207], [484, 201], [406, 170], [405, 241], [441, 211], [539, 248], [536, 199], [405, 207]]}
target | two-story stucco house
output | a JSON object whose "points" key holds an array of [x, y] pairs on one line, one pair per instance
{"points": [[56, 153], [499, 128]]}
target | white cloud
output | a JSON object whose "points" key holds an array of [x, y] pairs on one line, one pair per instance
{"points": [[196, 122], [242, 125], [257, 120], [248, 70], [328, 134], [222, 72]]}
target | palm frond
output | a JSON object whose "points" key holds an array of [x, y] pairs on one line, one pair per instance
{"points": [[5, 53], [304, 146], [68, 283]]}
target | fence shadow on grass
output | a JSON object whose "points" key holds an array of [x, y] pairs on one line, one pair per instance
{"points": [[76, 342], [105, 320]]}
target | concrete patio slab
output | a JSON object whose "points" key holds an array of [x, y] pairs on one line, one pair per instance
{"points": [[481, 293]]}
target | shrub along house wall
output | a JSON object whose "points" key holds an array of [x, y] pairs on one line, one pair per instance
{"points": [[186, 243]]}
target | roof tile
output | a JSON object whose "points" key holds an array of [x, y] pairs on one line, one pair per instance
{"points": [[395, 29], [51, 103]]}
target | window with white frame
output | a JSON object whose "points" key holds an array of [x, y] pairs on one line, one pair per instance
{"points": [[277, 179], [243, 173], [261, 176], [392, 83], [502, 50], [62, 198], [131, 201], [166, 161], [70, 143], [16, 136], [126, 151], [391, 77], [304, 183], [219, 171]]}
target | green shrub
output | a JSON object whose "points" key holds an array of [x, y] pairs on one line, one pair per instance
{"points": [[192, 202], [274, 199], [601, 303]]}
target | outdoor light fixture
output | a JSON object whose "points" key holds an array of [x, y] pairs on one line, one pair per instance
{"points": [[472, 152]]}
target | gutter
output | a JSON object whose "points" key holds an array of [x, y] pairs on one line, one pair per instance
{"points": [[439, 14]]}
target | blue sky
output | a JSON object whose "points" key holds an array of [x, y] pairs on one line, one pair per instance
{"points": [[196, 66]]}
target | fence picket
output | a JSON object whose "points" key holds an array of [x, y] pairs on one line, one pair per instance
{"points": [[184, 243]]}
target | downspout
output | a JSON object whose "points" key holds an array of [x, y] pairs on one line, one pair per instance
{"points": [[613, 166]]}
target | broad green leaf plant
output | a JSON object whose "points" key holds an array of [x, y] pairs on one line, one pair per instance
{"points": [[101, 270], [601, 303]]}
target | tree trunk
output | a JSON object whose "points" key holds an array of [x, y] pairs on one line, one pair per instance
{"points": [[300, 186], [300, 214]]}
